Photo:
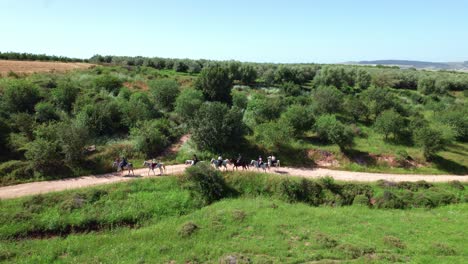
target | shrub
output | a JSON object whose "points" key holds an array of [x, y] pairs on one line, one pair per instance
{"points": [[443, 249], [239, 215], [350, 190], [188, 229], [291, 89], [389, 200], [45, 111], [151, 137], [164, 93], [301, 191], [20, 96], [109, 83], [457, 185], [361, 200], [239, 99], [394, 242], [205, 183], [326, 241], [44, 155]]}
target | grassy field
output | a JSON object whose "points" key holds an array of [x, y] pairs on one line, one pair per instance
{"points": [[157, 221]]}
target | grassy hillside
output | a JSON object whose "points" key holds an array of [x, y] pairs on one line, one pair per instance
{"points": [[262, 219]]}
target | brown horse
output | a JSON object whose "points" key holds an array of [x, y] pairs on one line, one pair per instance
{"points": [[241, 163]]}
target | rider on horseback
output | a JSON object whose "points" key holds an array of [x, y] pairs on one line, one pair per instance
{"points": [[154, 162], [260, 161], [195, 160], [123, 163], [220, 160], [239, 158]]}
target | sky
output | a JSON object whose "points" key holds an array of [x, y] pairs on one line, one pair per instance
{"points": [[286, 31]]}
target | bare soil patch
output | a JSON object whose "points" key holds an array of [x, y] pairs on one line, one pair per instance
{"points": [[29, 67]]}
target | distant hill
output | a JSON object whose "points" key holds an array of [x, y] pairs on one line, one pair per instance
{"points": [[460, 66]]}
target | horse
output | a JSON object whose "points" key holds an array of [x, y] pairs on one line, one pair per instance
{"points": [[217, 165], [272, 163], [151, 166], [241, 163], [189, 162], [264, 165], [128, 167]]}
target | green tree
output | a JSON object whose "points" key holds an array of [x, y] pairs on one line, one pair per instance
{"points": [[430, 140], [427, 85], [327, 99], [247, 74], [291, 89], [261, 109], [363, 79], [389, 122], [164, 92], [188, 103], [216, 127], [378, 100], [299, 117], [332, 130], [274, 134], [239, 99], [355, 108], [215, 84], [44, 155]]}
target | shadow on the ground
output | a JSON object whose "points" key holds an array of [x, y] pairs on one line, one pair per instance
{"points": [[360, 157], [449, 166]]}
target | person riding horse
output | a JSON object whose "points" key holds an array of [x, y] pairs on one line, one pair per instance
{"points": [[220, 160], [154, 162], [195, 160], [123, 163], [260, 161], [239, 158]]}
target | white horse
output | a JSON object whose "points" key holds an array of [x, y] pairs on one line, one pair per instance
{"points": [[189, 162], [275, 163], [128, 167], [158, 165], [264, 165], [217, 165]]}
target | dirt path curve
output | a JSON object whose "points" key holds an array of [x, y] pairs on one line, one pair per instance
{"points": [[86, 181]]}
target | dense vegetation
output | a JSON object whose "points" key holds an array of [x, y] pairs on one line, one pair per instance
{"points": [[37, 57], [204, 216], [364, 118]]}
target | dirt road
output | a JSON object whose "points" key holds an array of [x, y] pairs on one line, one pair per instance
{"points": [[86, 181]]}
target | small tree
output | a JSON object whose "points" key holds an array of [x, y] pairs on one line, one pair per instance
{"points": [[290, 88], [299, 117], [274, 134], [188, 103], [247, 73], [45, 111], [389, 122], [216, 127], [215, 84], [427, 85], [327, 99], [44, 155], [164, 93], [430, 140], [108, 82], [20, 96], [239, 99], [330, 129]]}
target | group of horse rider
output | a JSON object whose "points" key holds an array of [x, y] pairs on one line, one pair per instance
{"points": [[220, 159], [124, 162]]}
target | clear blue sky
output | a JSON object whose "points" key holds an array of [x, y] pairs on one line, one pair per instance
{"points": [[247, 30]]}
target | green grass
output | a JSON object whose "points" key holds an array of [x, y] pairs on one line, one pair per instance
{"points": [[266, 231]]}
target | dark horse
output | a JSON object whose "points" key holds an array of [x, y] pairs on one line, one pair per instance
{"points": [[241, 163]]}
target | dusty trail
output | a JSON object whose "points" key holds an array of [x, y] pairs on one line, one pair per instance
{"points": [[86, 181]]}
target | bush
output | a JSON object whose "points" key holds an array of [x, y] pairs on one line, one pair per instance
{"points": [[152, 137], [44, 155], [361, 200], [326, 241], [349, 191], [164, 93], [45, 111], [20, 96], [239, 100], [204, 183], [188, 229], [389, 200], [301, 191], [109, 83], [457, 185], [291, 89], [394, 242]]}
